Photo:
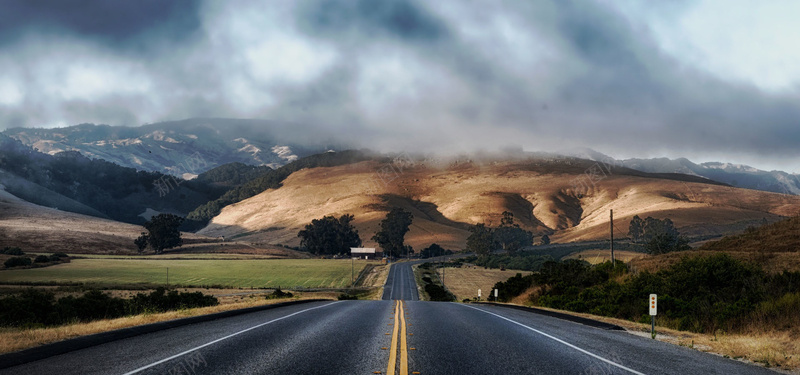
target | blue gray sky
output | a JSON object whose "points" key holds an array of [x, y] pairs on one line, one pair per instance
{"points": [[706, 79]]}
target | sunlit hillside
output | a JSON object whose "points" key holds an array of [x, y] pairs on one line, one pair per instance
{"points": [[546, 196]]}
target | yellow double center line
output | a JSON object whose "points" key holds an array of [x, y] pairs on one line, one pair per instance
{"points": [[399, 325]]}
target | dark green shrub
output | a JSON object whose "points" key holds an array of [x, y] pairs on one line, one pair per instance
{"points": [[701, 294], [33, 308], [437, 293], [513, 287], [278, 293], [13, 251], [17, 262], [345, 297], [30, 308], [160, 300], [41, 259], [60, 255]]}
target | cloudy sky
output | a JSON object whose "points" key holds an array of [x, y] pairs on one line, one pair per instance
{"points": [[708, 79]]}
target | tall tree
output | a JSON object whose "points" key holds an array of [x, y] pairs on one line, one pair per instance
{"points": [[509, 236], [545, 240], [659, 236], [508, 219], [163, 232], [329, 235], [481, 240], [142, 241], [393, 231]]}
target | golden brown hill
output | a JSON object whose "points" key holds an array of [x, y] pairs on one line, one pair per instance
{"points": [[40, 229], [447, 198], [36, 228], [773, 247]]}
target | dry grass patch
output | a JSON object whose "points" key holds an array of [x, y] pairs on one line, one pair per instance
{"points": [[376, 276], [12, 339], [771, 262], [783, 236], [464, 282]]}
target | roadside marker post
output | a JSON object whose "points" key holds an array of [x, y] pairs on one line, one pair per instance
{"points": [[479, 294], [495, 295], [653, 303]]}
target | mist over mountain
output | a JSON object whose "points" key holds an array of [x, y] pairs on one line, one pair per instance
{"points": [[737, 175], [181, 148], [72, 182], [189, 147]]}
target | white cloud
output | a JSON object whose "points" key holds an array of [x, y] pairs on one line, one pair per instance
{"points": [[741, 41], [10, 92]]}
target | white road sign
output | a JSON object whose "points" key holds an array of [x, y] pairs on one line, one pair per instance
{"points": [[653, 304]]}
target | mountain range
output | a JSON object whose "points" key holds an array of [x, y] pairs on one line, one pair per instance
{"points": [[268, 196], [189, 147], [732, 174], [181, 148]]}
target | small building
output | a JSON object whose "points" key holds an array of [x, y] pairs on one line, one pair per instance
{"points": [[366, 253]]}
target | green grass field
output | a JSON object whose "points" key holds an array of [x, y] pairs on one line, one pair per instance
{"points": [[257, 273]]}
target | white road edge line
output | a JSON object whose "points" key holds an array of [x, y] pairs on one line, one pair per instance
{"points": [[140, 369], [560, 341]]}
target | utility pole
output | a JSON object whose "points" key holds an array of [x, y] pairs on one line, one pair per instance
{"points": [[613, 263]]}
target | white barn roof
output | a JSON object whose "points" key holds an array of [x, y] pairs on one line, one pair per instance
{"points": [[363, 250]]}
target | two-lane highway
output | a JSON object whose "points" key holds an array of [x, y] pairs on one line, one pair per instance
{"points": [[400, 284], [368, 337]]}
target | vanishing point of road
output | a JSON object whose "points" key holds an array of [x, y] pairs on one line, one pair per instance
{"points": [[397, 335]]}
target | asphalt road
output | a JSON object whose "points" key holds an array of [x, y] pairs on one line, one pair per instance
{"points": [[400, 284], [402, 337]]}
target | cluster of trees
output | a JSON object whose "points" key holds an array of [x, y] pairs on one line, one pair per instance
{"points": [[658, 236], [434, 250], [521, 262], [36, 308], [163, 232], [508, 236], [232, 174], [330, 236], [17, 262], [22, 261], [8, 250]]}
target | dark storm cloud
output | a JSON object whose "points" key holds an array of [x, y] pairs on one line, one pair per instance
{"points": [[115, 23], [633, 98], [367, 19], [395, 75]]}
